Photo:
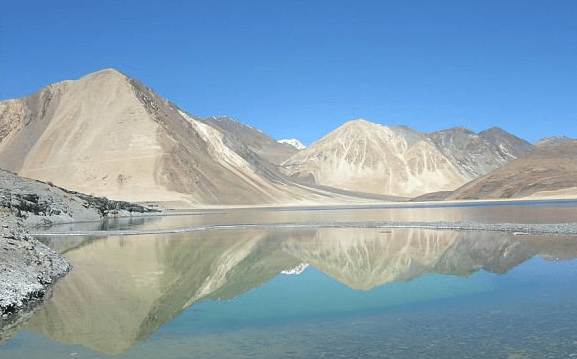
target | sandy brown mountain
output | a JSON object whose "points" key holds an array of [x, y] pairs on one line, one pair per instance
{"points": [[109, 135], [549, 170], [399, 161], [368, 157], [255, 140]]}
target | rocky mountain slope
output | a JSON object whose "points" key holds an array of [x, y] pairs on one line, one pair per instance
{"points": [[110, 135], [475, 155], [550, 169], [364, 156], [367, 157], [255, 140]]}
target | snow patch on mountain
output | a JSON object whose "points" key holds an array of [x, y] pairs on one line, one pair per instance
{"points": [[296, 270], [293, 142]]}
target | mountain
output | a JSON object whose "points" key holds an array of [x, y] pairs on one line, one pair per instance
{"points": [[367, 157], [474, 154], [293, 142], [553, 140], [255, 140], [549, 170], [110, 135]]}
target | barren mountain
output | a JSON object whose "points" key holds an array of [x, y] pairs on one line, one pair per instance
{"points": [[255, 140], [109, 135], [553, 141], [474, 154], [367, 157], [550, 169]]}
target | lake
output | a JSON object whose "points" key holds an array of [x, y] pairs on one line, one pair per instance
{"points": [[312, 292]]}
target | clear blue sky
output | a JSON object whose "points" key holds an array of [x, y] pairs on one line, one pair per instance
{"points": [[302, 68]]}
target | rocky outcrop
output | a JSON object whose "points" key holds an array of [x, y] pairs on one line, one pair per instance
{"points": [[28, 268], [36, 202]]}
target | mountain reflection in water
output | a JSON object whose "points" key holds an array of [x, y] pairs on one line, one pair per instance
{"points": [[122, 289]]}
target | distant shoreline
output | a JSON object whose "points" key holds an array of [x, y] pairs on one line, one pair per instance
{"points": [[169, 208], [514, 228]]}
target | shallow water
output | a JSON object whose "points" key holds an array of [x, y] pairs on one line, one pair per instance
{"points": [[398, 293], [505, 212]]}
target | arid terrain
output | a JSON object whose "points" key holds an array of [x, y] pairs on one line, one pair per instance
{"points": [[109, 135], [81, 150], [549, 170]]}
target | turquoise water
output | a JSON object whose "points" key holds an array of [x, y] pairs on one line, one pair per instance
{"points": [[529, 312], [366, 293]]}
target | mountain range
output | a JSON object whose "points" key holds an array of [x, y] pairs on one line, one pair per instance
{"points": [[110, 135]]}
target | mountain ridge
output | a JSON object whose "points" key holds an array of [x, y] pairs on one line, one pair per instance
{"points": [[416, 163], [111, 135], [550, 169]]}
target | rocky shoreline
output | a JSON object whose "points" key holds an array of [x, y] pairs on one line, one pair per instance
{"points": [[28, 268]]}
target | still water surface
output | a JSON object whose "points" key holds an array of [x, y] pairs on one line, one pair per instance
{"points": [[313, 293]]}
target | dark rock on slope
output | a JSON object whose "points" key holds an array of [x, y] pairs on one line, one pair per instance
{"points": [[28, 268], [475, 155]]}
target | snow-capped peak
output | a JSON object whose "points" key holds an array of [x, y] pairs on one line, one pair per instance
{"points": [[296, 270], [293, 142]]}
